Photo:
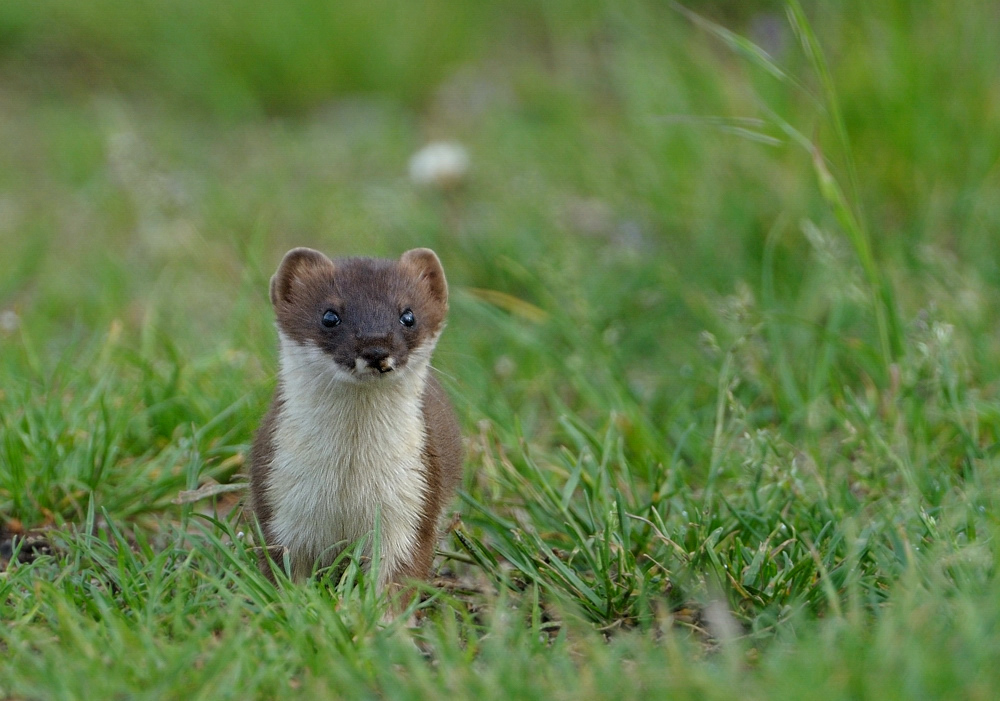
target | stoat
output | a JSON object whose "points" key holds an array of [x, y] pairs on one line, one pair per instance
{"points": [[359, 429]]}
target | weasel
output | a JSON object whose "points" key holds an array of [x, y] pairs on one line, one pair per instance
{"points": [[359, 429]]}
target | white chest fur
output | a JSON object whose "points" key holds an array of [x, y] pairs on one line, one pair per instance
{"points": [[346, 453]]}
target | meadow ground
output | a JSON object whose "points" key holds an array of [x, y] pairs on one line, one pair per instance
{"points": [[723, 342]]}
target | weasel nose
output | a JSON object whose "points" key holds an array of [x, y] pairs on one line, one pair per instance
{"points": [[377, 357], [375, 354]]}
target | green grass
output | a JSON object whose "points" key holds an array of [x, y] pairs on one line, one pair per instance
{"points": [[722, 343]]}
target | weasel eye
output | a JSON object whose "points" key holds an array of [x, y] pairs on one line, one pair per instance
{"points": [[407, 319], [330, 319]]}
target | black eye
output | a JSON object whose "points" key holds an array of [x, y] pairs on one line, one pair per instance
{"points": [[407, 318], [330, 319]]}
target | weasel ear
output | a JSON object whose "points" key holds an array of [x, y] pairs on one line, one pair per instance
{"points": [[297, 263], [426, 265]]}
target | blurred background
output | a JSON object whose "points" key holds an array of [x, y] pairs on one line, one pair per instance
{"points": [[724, 288], [636, 190]]}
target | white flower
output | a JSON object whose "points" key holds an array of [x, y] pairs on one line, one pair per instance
{"points": [[9, 321], [440, 164]]}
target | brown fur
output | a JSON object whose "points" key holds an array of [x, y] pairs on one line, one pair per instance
{"points": [[261, 455], [443, 461]]}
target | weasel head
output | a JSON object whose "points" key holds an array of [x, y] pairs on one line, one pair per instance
{"points": [[371, 320]]}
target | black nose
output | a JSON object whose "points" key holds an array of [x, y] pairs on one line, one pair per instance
{"points": [[377, 357], [375, 354]]}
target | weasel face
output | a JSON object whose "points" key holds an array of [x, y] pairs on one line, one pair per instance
{"points": [[370, 319]]}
